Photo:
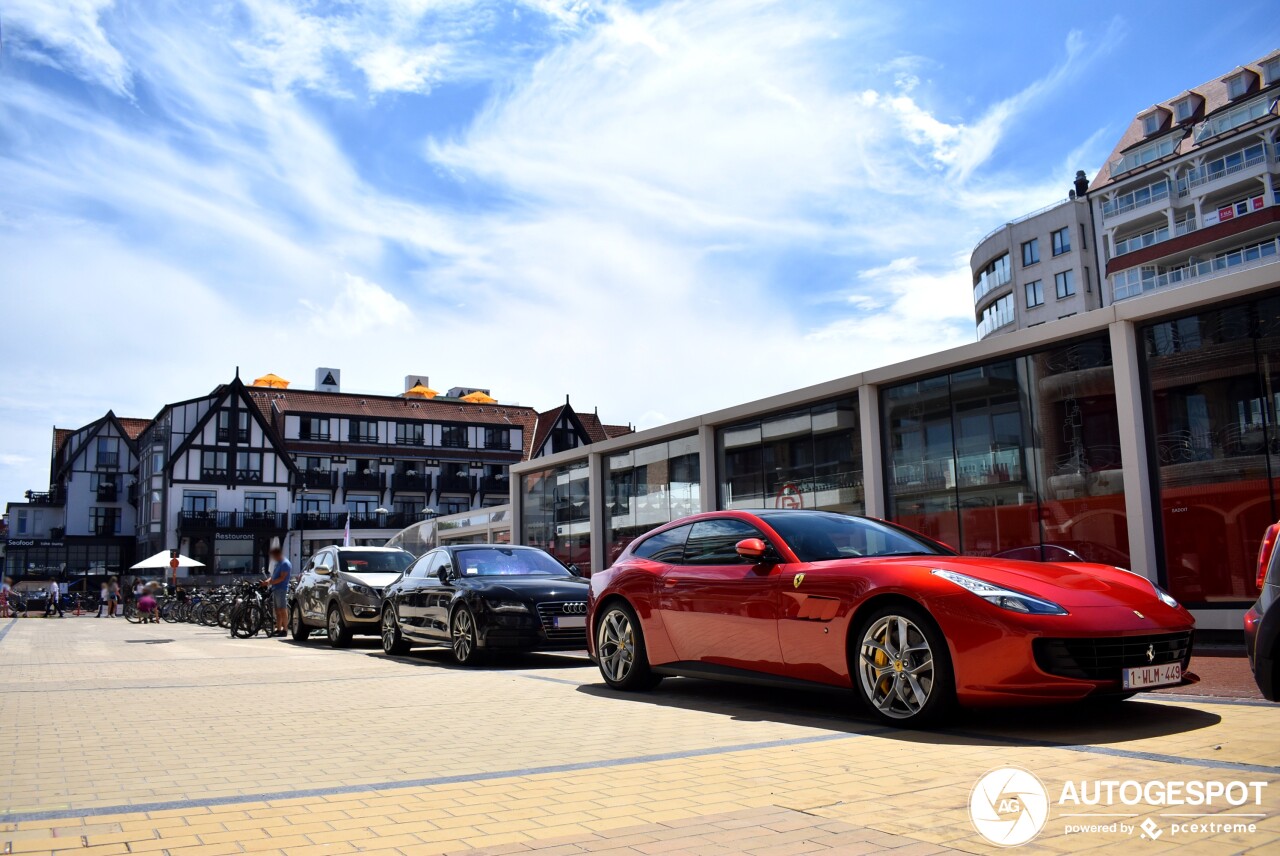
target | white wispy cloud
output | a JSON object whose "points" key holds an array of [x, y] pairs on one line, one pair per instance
{"points": [[634, 215], [68, 35]]}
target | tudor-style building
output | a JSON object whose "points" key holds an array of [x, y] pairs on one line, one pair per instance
{"points": [[214, 480], [84, 523], [222, 475]]}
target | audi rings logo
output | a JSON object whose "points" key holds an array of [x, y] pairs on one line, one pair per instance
{"points": [[1009, 806], [573, 608]]}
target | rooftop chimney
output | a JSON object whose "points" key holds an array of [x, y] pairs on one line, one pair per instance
{"points": [[328, 380], [1081, 184], [412, 380]]}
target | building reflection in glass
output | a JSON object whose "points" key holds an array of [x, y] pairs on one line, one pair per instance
{"points": [[556, 513], [1018, 457], [647, 487], [1213, 398], [805, 458]]}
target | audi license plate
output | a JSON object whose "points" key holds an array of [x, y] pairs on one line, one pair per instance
{"points": [[567, 621], [1152, 676]]}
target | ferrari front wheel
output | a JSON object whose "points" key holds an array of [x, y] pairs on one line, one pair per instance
{"points": [[902, 668]]}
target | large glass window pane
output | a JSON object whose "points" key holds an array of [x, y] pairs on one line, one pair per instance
{"points": [[1016, 458], [556, 512], [1077, 455], [805, 458], [920, 465], [1210, 386], [647, 487]]}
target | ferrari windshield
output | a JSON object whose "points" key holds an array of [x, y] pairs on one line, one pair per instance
{"points": [[819, 536], [374, 561], [507, 562]]}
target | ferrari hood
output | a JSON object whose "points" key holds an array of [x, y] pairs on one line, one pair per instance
{"points": [[1072, 584]]}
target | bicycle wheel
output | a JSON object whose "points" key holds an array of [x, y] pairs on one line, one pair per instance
{"points": [[131, 614], [171, 612], [246, 621], [224, 616]]}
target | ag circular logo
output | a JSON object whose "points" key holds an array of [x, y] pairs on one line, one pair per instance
{"points": [[1009, 806]]}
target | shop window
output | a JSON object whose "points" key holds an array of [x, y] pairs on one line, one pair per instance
{"points": [[649, 486], [1018, 457]]}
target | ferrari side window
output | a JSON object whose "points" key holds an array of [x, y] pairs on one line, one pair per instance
{"points": [[715, 542], [666, 547]]}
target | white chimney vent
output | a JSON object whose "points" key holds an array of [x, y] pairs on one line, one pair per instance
{"points": [[412, 380], [328, 380]]}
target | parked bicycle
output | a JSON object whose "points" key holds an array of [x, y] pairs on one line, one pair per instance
{"points": [[252, 612]]}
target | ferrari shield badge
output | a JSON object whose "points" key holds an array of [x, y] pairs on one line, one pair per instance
{"points": [[799, 578]]}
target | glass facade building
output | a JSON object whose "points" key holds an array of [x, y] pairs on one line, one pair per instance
{"points": [[1140, 436], [1022, 454]]}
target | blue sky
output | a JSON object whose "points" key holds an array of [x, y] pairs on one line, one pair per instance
{"points": [[661, 208]]}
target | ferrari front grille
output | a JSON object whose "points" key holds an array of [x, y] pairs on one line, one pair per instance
{"points": [[1101, 659]]}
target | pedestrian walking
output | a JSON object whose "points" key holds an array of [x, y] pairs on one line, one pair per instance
{"points": [[278, 586], [55, 600], [6, 587], [104, 599], [113, 597]]}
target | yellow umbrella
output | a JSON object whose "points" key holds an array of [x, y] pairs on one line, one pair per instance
{"points": [[423, 391], [479, 397], [272, 380]]}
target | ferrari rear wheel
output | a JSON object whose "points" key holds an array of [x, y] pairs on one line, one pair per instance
{"points": [[624, 663], [903, 668]]}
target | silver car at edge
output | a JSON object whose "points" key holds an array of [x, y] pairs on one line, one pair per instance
{"points": [[340, 590]]}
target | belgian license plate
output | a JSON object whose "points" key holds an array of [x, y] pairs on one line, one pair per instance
{"points": [[567, 621], [1152, 676]]}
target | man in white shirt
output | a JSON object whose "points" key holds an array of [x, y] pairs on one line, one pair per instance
{"points": [[55, 600]]}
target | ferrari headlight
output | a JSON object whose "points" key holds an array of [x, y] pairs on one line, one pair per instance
{"points": [[1014, 601], [507, 606], [1165, 598]]}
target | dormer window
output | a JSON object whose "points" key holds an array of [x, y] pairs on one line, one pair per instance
{"points": [[1271, 71], [1183, 109], [1151, 124], [1238, 85]]}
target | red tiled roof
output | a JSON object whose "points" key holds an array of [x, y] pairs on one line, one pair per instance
{"points": [[1215, 96], [275, 403], [60, 436], [612, 431], [596, 430], [134, 427]]}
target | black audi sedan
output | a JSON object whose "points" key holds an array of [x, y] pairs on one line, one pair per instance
{"points": [[482, 598]]}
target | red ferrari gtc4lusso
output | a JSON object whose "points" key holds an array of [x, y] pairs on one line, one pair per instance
{"points": [[811, 597]]}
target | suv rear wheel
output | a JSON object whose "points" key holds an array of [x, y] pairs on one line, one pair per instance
{"points": [[297, 627]]}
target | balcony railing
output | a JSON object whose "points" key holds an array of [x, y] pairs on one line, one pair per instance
{"points": [[224, 521], [495, 484], [453, 442], [107, 493], [996, 316], [320, 520], [53, 496], [362, 437], [108, 460], [133, 493], [363, 481], [1204, 175], [314, 436], [450, 483], [106, 528], [317, 479], [225, 434], [1115, 208], [251, 476], [1135, 281], [217, 474], [1234, 118], [405, 483]]}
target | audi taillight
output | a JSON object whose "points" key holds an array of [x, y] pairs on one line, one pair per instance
{"points": [[1265, 550]]}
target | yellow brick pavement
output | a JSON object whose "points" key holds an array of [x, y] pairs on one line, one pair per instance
{"points": [[175, 739]]}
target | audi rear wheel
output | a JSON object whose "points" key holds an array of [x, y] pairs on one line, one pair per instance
{"points": [[620, 651], [393, 643]]}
